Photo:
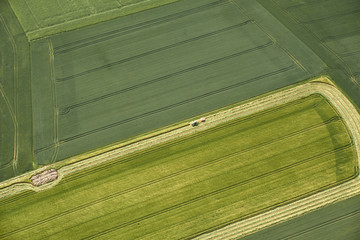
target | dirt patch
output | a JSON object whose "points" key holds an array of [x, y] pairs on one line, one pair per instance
{"points": [[44, 177]]}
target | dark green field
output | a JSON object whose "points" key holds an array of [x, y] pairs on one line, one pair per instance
{"points": [[194, 184], [15, 97], [42, 18], [336, 222], [331, 29], [117, 79]]}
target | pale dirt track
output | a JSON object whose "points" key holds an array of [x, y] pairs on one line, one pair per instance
{"points": [[250, 225]]}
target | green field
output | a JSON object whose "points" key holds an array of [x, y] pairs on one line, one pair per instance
{"points": [[196, 183], [42, 18], [337, 222], [16, 153], [332, 30], [131, 75]]}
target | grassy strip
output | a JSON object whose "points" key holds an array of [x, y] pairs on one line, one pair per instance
{"points": [[212, 177]]}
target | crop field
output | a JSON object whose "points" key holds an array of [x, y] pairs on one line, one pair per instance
{"points": [[43, 17], [194, 184], [101, 92], [111, 81], [15, 97], [337, 222], [332, 30], [336, 25]]}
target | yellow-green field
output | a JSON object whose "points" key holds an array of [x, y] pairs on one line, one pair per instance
{"points": [[194, 184]]}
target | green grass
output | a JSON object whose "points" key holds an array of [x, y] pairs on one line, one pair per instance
{"points": [[337, 222], [43, 18], [196, 183], [134, 74], [15, 97]]}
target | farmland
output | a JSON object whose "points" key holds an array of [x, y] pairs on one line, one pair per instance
{"points": [[15, 97], [102, 93], [131, 75], [339, 221], [331, 30], [42, 18], [193, 184]]}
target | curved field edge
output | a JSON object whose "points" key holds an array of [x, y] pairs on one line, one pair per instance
{"points": [[263, 102], [22, 183], [124, 180], [244, 109], [341, 192], [34, 31]]}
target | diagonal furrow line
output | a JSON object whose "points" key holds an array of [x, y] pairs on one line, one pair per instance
{"points": [[227, 188], [129, 29], [217, 160], [154, 51], [66, 110]]}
